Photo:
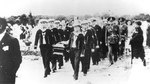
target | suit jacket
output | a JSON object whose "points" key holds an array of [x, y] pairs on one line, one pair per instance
{"points": [[48, 37], [112, 34], [68, 32], [79, 41], [10, 56], [88, 40], [103, 34], [57, 35], [94, 38], [98, 32]]}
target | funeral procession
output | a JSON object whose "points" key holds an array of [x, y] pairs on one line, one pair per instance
{"points": [[75, 42]]}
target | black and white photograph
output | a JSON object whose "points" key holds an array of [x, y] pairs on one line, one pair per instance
{"points": [[74, 42]]}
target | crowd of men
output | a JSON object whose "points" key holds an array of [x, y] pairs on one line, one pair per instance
{"points": [[87, 39], [77, 41]]}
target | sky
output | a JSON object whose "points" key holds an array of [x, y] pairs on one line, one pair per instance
{"points": [[73, 7]]}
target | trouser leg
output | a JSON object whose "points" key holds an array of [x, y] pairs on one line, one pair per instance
{"points": [[47, 62], [86, 61], [66, 55], [122, 46], [43, 55], [46, 54], [84, 65], [53, 62], [76, 63], [72, 57], [114, 51], [88, 58], [94, 58], [104, 50], [60, 61], [110, 54]]}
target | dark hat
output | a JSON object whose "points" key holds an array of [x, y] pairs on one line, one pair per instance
{"points": [[84, 22], [93, 19], [148, 20], [138, 23], [111, 19], [121, 19], [76, 24]]}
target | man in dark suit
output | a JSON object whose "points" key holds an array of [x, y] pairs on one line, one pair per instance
{"points": [[103, 48], [98, 42], [56, 32], [44, 35], [88, 47], [10, 55], [75, 47]]}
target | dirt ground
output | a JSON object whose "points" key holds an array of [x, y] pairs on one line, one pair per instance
{"points": [[31, 71]]}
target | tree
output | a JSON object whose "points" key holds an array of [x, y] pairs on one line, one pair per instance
{"points": [[31, 20], [12, 19], [61, 17], [23, 19]]}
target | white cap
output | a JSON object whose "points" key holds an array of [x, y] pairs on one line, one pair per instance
{"points": [[43, 20], [51, 20], [84, 22], [57, 21], [76, 24]]}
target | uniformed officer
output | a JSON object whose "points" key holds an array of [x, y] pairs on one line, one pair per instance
{"points": [[112, 39]]}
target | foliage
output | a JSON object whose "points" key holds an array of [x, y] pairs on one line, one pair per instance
{"points": [[142, 17], [33, 20]]}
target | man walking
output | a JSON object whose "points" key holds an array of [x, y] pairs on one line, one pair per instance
{"points": [[10, 55]]}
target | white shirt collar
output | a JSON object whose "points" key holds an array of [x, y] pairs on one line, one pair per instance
{"points": [[2, 35]]}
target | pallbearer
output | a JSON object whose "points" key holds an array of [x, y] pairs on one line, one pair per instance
{"points": [[75, 47], [88, 47], [42, 37], [55, 31], [52, 42], [51, 23]]}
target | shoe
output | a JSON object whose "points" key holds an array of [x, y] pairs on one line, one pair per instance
{"points": [[111, 64], [115, 60], [144, 63], [54, 71], [97, 63], [48, 73], [45, 76], [16, 76], [75, 77], [94, 63], [84, 74], [59, 67]]}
